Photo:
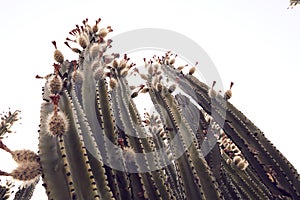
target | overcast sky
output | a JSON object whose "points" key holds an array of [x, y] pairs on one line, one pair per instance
{"points": [[255, 44]]}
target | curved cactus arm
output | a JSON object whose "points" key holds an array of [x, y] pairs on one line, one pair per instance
{"points": [[246, 188], [207, 180], [244, 139], [263, 160], [190, 179], [279, 162], [264, 157], [56, 181]]}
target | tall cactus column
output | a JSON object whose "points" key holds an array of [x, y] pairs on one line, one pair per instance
{"points": [[95, 144]]}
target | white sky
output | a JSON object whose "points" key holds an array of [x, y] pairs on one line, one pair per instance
{"points": [[255, 44]]}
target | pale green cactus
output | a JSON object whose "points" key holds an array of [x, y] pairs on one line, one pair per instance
{"points": [[94, 144]]}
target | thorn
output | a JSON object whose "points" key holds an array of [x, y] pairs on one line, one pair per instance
{"points": [[181, 67], [135, 94], [213, 85], [66, 43], [39, 77], [54, 44], [82, 29], [231, 84]]}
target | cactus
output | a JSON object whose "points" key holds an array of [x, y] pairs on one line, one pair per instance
{"points": [[95, 144]]}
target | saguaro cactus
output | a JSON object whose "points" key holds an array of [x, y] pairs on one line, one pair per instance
{"points": [[94, 143]]}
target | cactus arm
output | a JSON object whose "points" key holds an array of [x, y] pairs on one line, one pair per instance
{"points": [[136, 143], [244, 139], [248, 191], [89, 103], [172, 178], [54, 173], [279, 162], [190, 180], [208, 184], [93, 115], [228, 188], [104, 105], [264, 158], [94, 155], [151, 161], [83, 178], [134, 180]]}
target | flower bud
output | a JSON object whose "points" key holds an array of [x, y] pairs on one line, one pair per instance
{"points": [[27, 171], [94, 51], [82, 42], [77, 77], [55, 84], [57, 124], [21, 156]]}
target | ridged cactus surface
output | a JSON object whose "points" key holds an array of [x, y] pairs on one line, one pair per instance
{"points": [[94, 142]]}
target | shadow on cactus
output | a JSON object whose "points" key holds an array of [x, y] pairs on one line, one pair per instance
{"points": [[94, 142]]}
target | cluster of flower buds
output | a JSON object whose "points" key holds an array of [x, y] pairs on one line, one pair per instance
{"points": [[141, 89], [228, 93], [169, 59], [54, 84], [232, 152], [213, 94], [28, 170], [86, 35], [56, 122], [157, 129], [155, 125], [154, 76]]}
